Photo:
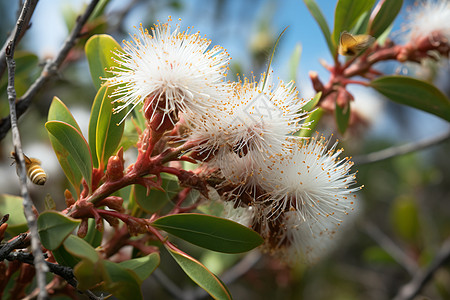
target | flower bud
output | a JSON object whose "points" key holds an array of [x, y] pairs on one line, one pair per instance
{"points": [[69, 198]]}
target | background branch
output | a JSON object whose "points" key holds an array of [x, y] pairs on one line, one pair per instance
{"points": [[50, 69], [411, 289], [400, 150], [17, 33]]}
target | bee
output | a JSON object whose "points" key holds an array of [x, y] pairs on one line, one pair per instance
{"points": [[34, 170], [353, 44]]}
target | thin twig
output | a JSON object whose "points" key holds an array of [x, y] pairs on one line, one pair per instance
{"points": [[39, 262], [17, 32], [6, 248], [400, 150], [390, 247], [65, 272], [50, 69], [412, 289]]}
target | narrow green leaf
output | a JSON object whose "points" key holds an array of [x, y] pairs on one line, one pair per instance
{"points": [[54, 228], [80, 248], [385, 17], [322, 22], [13, 205], [362, 23], [312, 103], [58, 111], [109, 132], [93, 120], [201, 275], [405, 218], [142, 266], [294, 61], [313, 118], [347, 14], [122, 283], [74, 143], [93, 236], [342, 117], [210, 232], [415, 93], [100, 52]]}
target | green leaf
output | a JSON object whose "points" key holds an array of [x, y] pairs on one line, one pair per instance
{"points": [[54, 227], [362, 23], [294, 61], [65, 258], [142, 266], [415, 93], [122, 283], [105, 132], [80, 248], [342, 117], [88, 274], [312, 103], [76, 146], [58, 111], [93, 236], [109, 132], [156, 198], [320, 19], [13, 205], [100, 52], [347, 14], [314, 117], [210, 232], [385, 17], [93, 120], [201, 275]]}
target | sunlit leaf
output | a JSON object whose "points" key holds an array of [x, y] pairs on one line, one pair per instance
{"points": [[109, 128], [210, 232], [201, 275], [99, 52], [54, 227], [342, 117], [294, 61], [347, 14], [415, 93], [385, 17], [76, 146], [313, 118], [13, 205], [58, 111], [312, 103], [320, 19]]}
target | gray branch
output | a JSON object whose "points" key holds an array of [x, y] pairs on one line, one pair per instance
{"points": [[400, 150], [50, 69], [39, 262], [412, 289]]}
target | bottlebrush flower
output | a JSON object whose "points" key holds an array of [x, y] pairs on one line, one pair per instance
{"points": [[255, 120], [169, 69], [428, 18], [309, 195]]}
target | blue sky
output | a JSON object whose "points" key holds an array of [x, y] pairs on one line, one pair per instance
{"points": [[233, 31]]}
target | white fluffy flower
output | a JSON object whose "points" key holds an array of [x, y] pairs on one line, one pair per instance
{"points": [[309, 195], [428, 17], [172, 68], [256, 120]]}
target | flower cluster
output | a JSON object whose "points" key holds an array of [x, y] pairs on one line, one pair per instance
{"points": [[294, 191]]}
